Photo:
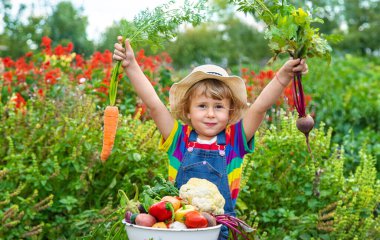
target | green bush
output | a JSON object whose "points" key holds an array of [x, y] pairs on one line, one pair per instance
{"points": [[52, 182], [346, 96], [290, 194]]}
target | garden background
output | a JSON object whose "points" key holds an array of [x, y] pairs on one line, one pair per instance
{"points": [[53, 90]]}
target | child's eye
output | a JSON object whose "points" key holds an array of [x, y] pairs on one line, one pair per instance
{"points": [[203, 106], [219, 107]]}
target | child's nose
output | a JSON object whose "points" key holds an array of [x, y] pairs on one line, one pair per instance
{"points": [[210, 112]]}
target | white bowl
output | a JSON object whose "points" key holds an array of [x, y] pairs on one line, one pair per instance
{"points": [[136, 232]]}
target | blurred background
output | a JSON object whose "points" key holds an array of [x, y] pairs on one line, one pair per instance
{"points": [[93, 26]]}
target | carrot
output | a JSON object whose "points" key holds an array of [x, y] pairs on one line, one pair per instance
{"points": [[111, 117]]}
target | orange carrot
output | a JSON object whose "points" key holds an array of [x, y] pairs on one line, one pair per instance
{"points": [[111, 117]]}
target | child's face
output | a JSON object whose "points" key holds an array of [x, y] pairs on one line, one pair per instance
{"points": [[208, 116]]}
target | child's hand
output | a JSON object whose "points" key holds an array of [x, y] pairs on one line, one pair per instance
{"points": [[288, 70], [126, 55]]}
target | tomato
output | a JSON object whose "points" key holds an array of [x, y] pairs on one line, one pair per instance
{"points": [[194, 219]]}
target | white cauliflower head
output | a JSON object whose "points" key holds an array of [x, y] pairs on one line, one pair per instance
{"points": [[203, 195]]}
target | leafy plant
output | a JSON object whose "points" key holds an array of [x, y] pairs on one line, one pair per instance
{"points": [[51, 152], [289, 30], [153, 28], [292, 202]]}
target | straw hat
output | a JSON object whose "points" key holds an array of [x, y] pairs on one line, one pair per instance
{"points": [[208, 71]]}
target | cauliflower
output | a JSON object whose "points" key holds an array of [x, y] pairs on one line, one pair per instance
{"points": [[177, 225], [203, 195]]}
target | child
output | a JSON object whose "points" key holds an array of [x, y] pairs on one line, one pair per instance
{"points": [[217, 127]]}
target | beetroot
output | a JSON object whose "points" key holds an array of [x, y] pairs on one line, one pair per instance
{"points": [[210, 219], [305, 123]]}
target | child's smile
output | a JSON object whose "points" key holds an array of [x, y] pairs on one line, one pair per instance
{"points": [[208, 116]]}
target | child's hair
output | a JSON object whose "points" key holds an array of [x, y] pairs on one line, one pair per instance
{"points": [[212, 88]]}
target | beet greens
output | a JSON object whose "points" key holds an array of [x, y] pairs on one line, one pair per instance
{"points": [[236, 226], [289, 31]]}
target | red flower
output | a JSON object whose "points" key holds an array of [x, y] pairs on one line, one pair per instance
{"points": [[69, 48], [97, 57], [58, 50], [40, 92], [8, 77], [166, 56], [79, 60], [8, 62], [107, 57], [52, 76], [270, 74], [21, 77], [140, 55], [46, 65], [157, 59], [28, 54], [46, 42], [19, 101]]}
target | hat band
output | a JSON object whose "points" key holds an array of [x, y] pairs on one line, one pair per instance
{"points": [[215, 73]]}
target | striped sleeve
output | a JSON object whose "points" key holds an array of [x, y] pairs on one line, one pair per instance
{"points": [[173, 146], [238, 148]]}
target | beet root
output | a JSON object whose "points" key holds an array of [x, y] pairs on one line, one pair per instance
{"points": [[305, 124]]}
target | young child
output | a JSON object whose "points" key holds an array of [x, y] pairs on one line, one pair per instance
{"points": [[210, 127]]}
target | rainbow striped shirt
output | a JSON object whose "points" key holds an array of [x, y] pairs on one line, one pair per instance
{"points": [[236, 147]]}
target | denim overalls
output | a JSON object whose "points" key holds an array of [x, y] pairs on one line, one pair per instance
{"points": [[210, 165]]}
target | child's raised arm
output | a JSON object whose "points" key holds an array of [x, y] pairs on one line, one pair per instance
{"points": [[144, 88], [270, 94]]}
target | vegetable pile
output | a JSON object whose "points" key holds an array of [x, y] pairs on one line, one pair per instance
{"points": [[192, 206], [289, 30]]}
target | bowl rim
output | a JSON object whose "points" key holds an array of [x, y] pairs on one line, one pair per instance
{"points": [[170, 229]]}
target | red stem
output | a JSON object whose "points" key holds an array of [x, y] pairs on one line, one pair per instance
{"points": [[302, 95], [298, 95], [295, 95]]}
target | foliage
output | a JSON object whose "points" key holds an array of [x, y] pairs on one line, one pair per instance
{"points": [[45, 74], [19, 37], [109, 36], [67, 24], [242, 43], [361, 33], [155, 27], [289, 30], [289, 195], [194, 46], [346, 98], [51, 176], [152, 29], [354, 215], [223, 42]]}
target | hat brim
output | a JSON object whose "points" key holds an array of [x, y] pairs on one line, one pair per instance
{"points": [[179, 89]]}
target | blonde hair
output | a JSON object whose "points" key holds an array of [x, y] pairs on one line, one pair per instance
{"points": [[212, 88]]}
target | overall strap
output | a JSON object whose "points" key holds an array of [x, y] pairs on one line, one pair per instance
{"points": [[220, 138], [220, 142], [193, 136]]}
